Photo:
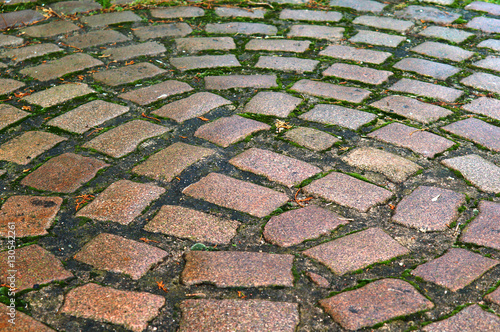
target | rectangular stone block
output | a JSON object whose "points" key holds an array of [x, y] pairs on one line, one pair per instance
{"points": [[316, 32], [477, 131], [412, 108], [357, 73], [328, 90], [425, 89], [355, 54]]}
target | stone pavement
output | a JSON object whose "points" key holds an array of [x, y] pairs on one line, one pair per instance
{"points": [[250, 166]]}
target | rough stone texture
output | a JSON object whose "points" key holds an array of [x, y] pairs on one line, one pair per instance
{"points": [[64, 173], [241, 28], [197, 44], [10, 114], [377, 38], [472, 318], [490, 8], [428, 14], [240, 81], [357, 73], [295, 226], [58, 94], [355, 54], [480, 172], [483, 81], [449, 34], [493, 44], [172, 161], [125, 138], [8, 85], [356, 251], [10, 41], [297, 46], [374, 303], [348, 191], [33, 265], [105, 304], [238, 315], [175, 12], [272, 103], [128, 74], [433, 69], [24, 148], [163, 30], [237, 269], [486, 24], [490, 62], [20, 18], [442, 51], [310, 15], [318, 280], [411, 108], [427, 90], [192, 106], [51, 29], [152, 93], [205, 61], [190, 224], [100, 20], [327, 90], [384, 23], [134, 51], [287, 63], [483, 230], [24, 323], [20, 54], [455, 269], [317, 32], [95, 38], [239, 12], [359, 5], [73, 7], [311, 138], [235, 194], [229, 130], [57, 68], [423, 142], [485, 106], [121, 202], [478, 131], [494, 296], [338, 115]]}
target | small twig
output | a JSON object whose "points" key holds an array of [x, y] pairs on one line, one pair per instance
{"points": [[150, 117]]}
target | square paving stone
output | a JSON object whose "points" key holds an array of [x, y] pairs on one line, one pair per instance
{"points": [[101, 20], [205, 61], [286, 63], [10, 114], [176, 12], [134, 51], [237, 269], [311, 138], [412, 108], [64, 173], [296, 46], [377, 38], [478, 131], [316, 32], [483, 81], [125, 138], [188, 108], [295, 226], [359, 5], [23, 322], [442, 51], [449, 34], [239, 12], [58, 94], [490, 62], [493, 44], [355, 54], [121, 202], [20, 54], [272, 103], [240, 81], [357, 73], [190, 224], [427, 14], [33, 265], [484, 230], [274, 166], [426, 89], [485, 106], [51, 29], [19, 18], [8, 85], [163, 30], [384, 23], [9, 41], [172, 161], [375, 303], [74, 7], [357, 251], [117, 254], [236, 194], [32, 215], [310, 15], [472, 318], [128, 74], [480, 172], [433, 69], [348, 191], [229, 130], [327, 90], [105, 304], [241, 28], [197, 44], [339, 116], [150, 94], [95, 38], [24, 148], [481, 6], [486, 24], [394, 167], [429, 209]]}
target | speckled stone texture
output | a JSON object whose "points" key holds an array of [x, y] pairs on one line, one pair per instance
{"points": [[197, 44], [241, 28], [316, 32], [486, 24], [127, 74], [51, 29], [477, 131], [490, 62], [10, 114], [490, 8], [311, 138], [23, 322], [23, 149], [485, 106], [8, 85], [20, 54], [428, 14], [412, 108], [359, 5], [357, 73], [472, 318], [156, 92], [237, 269], [296, 46], [56, 68], [377, 38], [100, 20], [163, 30], [493, 44], [95, 38], [355, 54], [450, 34], [433, 69], [134, 51], [20, 18], [240, 81], [374, 303], [480, 172], [282, 63], [105, 304], [426, 89], [338, 115], [484, 230], [483, 81], [240, 12], [328, 90], [174, 12], [272, 103], [58, 94], [73, 7], [384, 23], [493, 296], [204, 61], [318, 280], [442, 51], [310, 15]]}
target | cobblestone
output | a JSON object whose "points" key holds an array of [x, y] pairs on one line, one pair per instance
{"points": [[490, 62], [442, 51], [327, 90], [449, 34], [298, 46], [241, 28], [411, 108], [10, 115], [480, 172], [134, 51], [8, 85], [150, 94], [95, 38], [58, 94], [310, 15], [163, 30], [384, 23], [26, 147], [128, 74], [485, 106], [477, 131], [490, 8], [433, 69], [272, 103], [316, 32], [486, 24], [484, 229], [176, 12], [377, 38], [472, 318], [100, 20], [51, 29], [490, 43], [357, 73], [28, 52], [204, 61], [427, 14], [239, 12], [287, 64], [483, 81], [240, 81], [311, 138], [359, 5], [355, 54], [23, 322], [426, 89], [338, 115], [197, 44]]}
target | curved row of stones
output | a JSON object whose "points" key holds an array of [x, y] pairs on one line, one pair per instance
{"points": [[162, 126]]}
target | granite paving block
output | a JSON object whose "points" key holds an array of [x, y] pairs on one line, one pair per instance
{"points": [[286, 63], [356, 251], [384, 23], [456, 269], [311, 138], [240, 12], [9, 115], [377, 38], [480, 172], [449, 34], [23, 322], [355, 54], [310, 15], [442, 51], [153, 93], [177, 11], [478, 131], [101, 20], [425, 89], [483, 81], [95, 38], [272, 103], [493, 296], [493, 44], [328, 90], [10, 41], [191, 224], [241, 28], [236, 194], [279, 45], [24, 148], [472, 318], [58, 94], [357, 73], [163, 30], [316, 32], [8, 85], [339, 116], [51, 29], [74, 7], [433, 69], [318, 280], [133, 310], [134, 51], [481, 6], [490, 62], [197, 44], [20, 18], [359, 5], [121, 202], [485, 106], [484, 229], [441, 2], [237, 269], [412, 108], [375, 303], [427, 14], [128, 74], [240, 81], [205, 61], [24, 53]]}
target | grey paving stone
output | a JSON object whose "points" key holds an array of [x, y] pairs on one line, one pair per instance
{"points": [[493, 296], [377, 38], [483, 230], [411, 108], [95, 38], [51, 29], [100, 20], [134, 51], [163, 30], [441, 2], [272, 103], [481, 6], [427, 14], [204, 61], [8, 85], [316, 32], [449, 34], [128, 74], [176, 12], [310, 15], [159, 91], [357, 73], [381, 22], [481, 173], [20, 18], [339, 116], [478, 131], [241, 28], [58, 94], [74, 7], [359, 5], [483, 81], [486, 24], [9, 115], [20, 54], [355, 54], [240, 12], [24, 148], [442, 51], [240, 81], [327, 90], [485, 106], [297, 46], [311, 138], [433, 69], [490, 62], [9, 41], [23, 321], [427, 90], [286, 63], [493, 44], [472, 318], [197, 44]]}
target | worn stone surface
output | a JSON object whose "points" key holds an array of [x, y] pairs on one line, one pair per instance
{"points": [[163, 30], [297, 46], [485, 106], [95, 38], [24, 53], [134, 51], [8, 40], [359, 5], [411, 108], [128, 74], [384, 23], [493, 44], [480, 172], [449, 34], [426, 89], [100, 20], [51, 29], [338, 115], [150, 94], [490, 8], [204, 61], [272, 103], [355, 54], [433, 69], [311, 138], [483, 230], [175, 12], [240, 81], [26, 147], [428, 14], [327, 90], [73, 7], [493, 296], [8, 85], [442, 51], [477, 131], [316, 32], [357, 73], [23, 322], [377, 38], [490, 62], [241, 28], [287, 63], [239, 12], [10, 114], [483, 81], [20, 18], [58, 94], [310, 15], [486, 24], [318, 280], [197, 44], [472, 318]]}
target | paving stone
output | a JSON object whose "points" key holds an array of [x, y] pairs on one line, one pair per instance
{"points": [[441, 2], [32, 215], [490, 62], [228, 130], [279, 45], [455, 269], [384, 23], [472, 318], [327, 90], [486, 24], [3, 65], [238, 315], [311, 138], [192, 106], [64, 173], [318, 280], [134, 51], [356, 251], [494, 296], [241, 28], [125, 138], [493, 44], [23, 322], [50, 29], [190, 224], [426, 89], [235, 194], [150, 94], [176, 12], [128, 74], [10, 114], [357, 73], [348, 191], [374, 303], [293, 2], [287, 63], [442, 51], [480, 172], [237, 269], [20, 54], [163, 30], [8, 85], [57, 68], [450, 34], [197, 44], [58, 94], [490, 8], [316, 32], [433, 69], [20, 18], [394, 167], [478, 131], [483, 231], [377, 38], [427, 14], [27, 146], [205, 61], [105, 304], [359, 5], [485, 106], [355, 54], [33, 265], [88, 116], [240, 81], [295, 226], [240, 12], [339, 116], [172, 161], [483, 81], [121, 202], [310, 15], [101, 20], [411, 108], [422, 142], [95, 38], [272, 103], [120, 255], [74, 7], [10, 41]]}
